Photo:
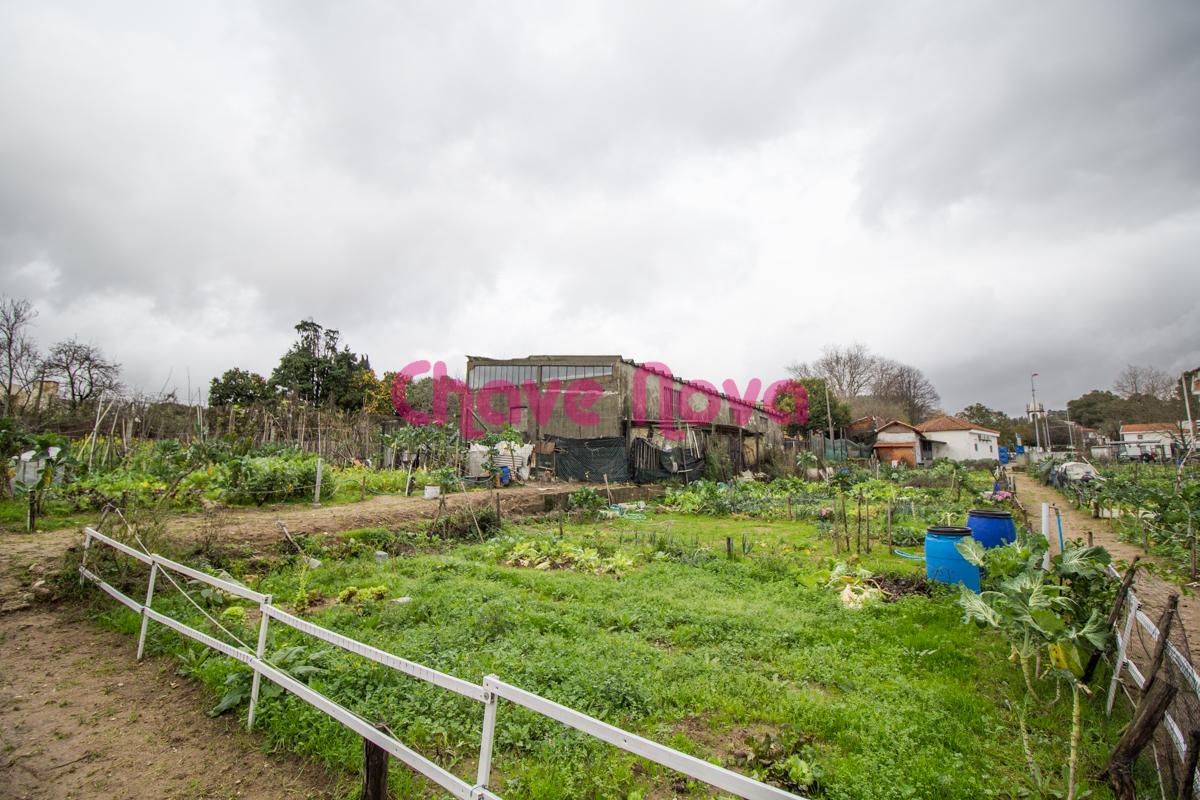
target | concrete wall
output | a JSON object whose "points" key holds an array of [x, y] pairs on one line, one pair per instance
{"points": [[961, 445]]}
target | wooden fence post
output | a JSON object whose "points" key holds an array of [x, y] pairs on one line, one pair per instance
{"points": [[498, 517], [1160, 646], [317, 489], [375, 769], [1146, 719]]}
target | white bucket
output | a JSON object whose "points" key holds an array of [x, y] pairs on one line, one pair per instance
{"points": [[432, 492]]}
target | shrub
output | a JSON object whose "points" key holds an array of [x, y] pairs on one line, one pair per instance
{"points": [[586, 499]]}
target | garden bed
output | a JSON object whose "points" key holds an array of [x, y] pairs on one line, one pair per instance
{"points": [[742, 655]]}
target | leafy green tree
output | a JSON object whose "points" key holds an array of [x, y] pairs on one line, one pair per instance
{"points": [[1107, 411], [1007, 426], [987, 417], [818, 411], [238, 387], [317, 371], [1095, 408]]}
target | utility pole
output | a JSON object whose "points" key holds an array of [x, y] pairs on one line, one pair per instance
{"points": [[1071, 430], [1187, 403], [1033, 410], [828, 412]]}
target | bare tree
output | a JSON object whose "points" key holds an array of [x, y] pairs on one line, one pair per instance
{"points": [[1148, 381], [907, 386], [849, 370], [871, 406], [18, 352], [84, 371]]}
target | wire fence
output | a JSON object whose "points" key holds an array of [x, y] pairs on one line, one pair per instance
{"points": [[489, 693], [1145, 654]]}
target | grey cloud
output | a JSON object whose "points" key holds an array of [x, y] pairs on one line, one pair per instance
{"points": [[723, 188]]}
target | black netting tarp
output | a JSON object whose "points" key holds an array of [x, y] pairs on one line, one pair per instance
{"points": [[652, 463], [590, 459]]}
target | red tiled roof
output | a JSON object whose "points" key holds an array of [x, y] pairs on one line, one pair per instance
{"points": [[1144, 427], [948, 423]]}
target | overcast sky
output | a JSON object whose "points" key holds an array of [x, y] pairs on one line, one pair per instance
{"points": [[983, 190]]}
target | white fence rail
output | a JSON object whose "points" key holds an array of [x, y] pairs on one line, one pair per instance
{"points": [[489, 693], [1125, 634]]}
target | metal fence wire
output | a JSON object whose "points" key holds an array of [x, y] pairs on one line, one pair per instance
{"points": [[489, 693]]}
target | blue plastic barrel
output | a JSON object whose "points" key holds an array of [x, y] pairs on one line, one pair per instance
{"points": [[943, 562], [992, 528], [505, 476]]}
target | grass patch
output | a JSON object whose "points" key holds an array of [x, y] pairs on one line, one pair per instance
{"points": [[686, 646]]}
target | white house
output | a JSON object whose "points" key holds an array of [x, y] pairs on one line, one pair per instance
{"points": [[1157, 439], [960, 440]]}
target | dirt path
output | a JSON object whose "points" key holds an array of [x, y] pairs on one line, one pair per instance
{"points": [[29, 558], [1151, 590], [79, 717]]}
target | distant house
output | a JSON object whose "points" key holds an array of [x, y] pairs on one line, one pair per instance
{"points": [[898, 442], [959, 439], [864, 429], [1156, 439]]}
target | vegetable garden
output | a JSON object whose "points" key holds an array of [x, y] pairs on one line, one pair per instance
{"points": [[1155, 506], [87, 475], [765, 627]]}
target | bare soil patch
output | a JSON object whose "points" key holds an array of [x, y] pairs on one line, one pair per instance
{"points": [[31, 557], [79, 717], [897, 586]]}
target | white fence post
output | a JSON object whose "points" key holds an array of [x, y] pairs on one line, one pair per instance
{"points": [[486, 739], [1122, 647], [317, 492], [259, 652], [146, 609]]}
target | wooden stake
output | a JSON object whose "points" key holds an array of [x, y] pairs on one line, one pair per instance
{"points": [[498, 517], [608, 490], [858, 524], [729, 547], [868, 527], [891, 545], [1146, 719], [1160, 646], [441, 507]]}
